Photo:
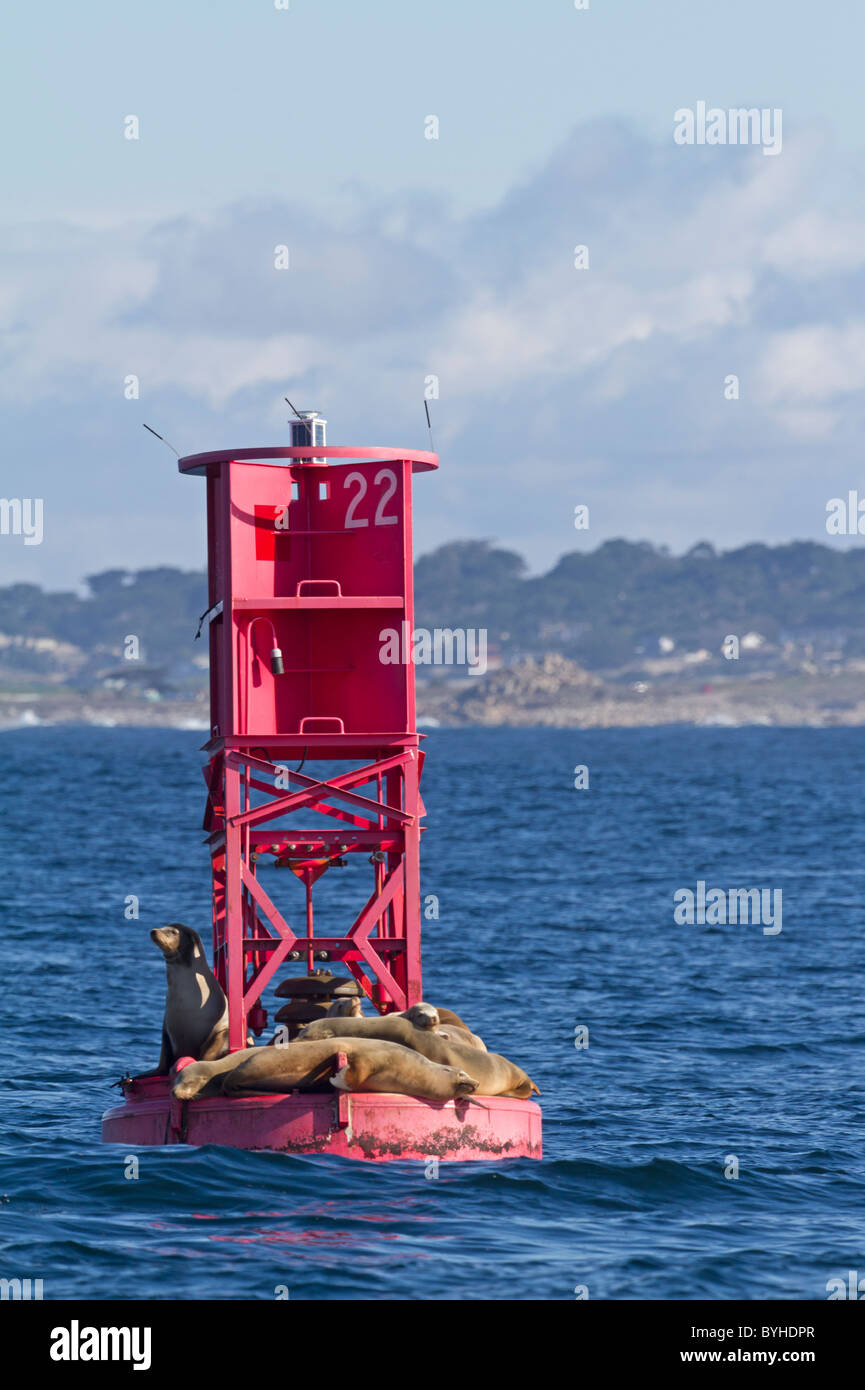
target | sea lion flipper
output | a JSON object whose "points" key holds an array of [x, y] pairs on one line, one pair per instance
{"points": [[166, 1055], [165, 1059], [216, 1045]]}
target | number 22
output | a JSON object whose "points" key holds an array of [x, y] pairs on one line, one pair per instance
{"points": [[385, 475]]}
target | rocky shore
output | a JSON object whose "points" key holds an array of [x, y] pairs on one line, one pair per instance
{"points": [[550, 691], [556, 693], [100, 709]]}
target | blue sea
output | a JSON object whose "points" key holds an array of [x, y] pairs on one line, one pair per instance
{"points": [[712, 1049]]}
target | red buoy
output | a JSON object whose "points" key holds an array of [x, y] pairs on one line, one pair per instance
{"points": [[309, 570]]}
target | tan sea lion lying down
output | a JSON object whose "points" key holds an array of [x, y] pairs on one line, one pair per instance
{"points": [[450, 1019], [372, 1065], [426, 1016], [345, 1008], [495, 1075]]}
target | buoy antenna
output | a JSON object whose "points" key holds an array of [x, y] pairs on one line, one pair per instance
{"points": [[164, 441], [428, 424], [296, 412]]}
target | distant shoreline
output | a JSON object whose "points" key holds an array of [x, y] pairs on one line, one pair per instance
{"points": [[546, 692], [644, 719]]}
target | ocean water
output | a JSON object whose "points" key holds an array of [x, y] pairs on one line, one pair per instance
{"points": [[706, 1043]]}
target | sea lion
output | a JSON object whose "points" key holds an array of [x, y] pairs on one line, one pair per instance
{"points": [[196, 1010], [389, 1067], [421, 1015], [426, 1016], [345, 1008], [452, 1020], [495, 1075], [461, 1035], [201, 1079], [372, 1065]]}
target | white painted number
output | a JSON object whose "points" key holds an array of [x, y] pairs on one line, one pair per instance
{"points": [[384, 475], [389, 476], [350, 519]]}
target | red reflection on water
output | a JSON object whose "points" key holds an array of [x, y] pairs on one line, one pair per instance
{"points": [[377, 1217], [299, 1238]]}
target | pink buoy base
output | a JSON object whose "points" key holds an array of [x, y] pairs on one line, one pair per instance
{"points": [[365, 1125]]}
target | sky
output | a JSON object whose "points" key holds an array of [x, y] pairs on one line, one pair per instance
{"points": [[603, 385]]}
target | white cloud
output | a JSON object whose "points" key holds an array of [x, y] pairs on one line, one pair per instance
{"points": [[726, 263], [816, 362]]}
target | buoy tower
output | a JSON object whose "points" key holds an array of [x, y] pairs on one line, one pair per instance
{"points": [[309, 593]]}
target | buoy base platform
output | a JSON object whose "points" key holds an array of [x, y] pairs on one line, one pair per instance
{"points": [[360, 1124]]}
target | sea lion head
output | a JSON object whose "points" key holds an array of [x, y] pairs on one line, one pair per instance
{"points": [[177, 943], [345, 1008], [422, 1015], [192, 1079], [465, 1084]]}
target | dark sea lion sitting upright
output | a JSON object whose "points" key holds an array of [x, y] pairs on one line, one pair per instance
{"points": [[196, 1009]]}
